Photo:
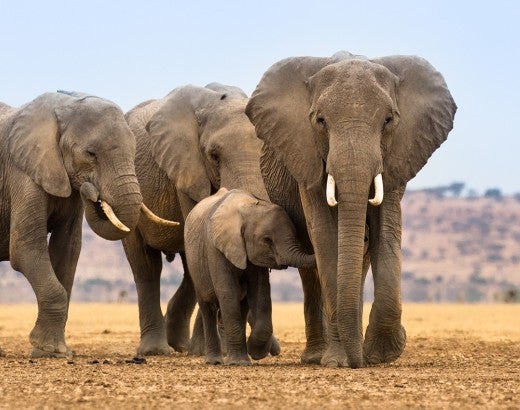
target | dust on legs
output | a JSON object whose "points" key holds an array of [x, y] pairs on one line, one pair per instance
{"points": [[313, 353], [153, 344], [48, 341], [335, 356], [383, 345]]}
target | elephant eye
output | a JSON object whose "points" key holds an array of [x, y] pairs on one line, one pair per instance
{"points": [[268, 241], [91, 154], [214, 156], [321, 121], [388, 119]]}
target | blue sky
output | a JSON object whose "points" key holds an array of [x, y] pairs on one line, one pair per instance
{"points": [[131, 51]]}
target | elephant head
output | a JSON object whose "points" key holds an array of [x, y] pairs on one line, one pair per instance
{"points": [[245, 228], [373, 123], [203, 140], [71, 141]]}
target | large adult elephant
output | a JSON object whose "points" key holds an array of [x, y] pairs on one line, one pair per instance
{"points": [[365, 127], [60, 155], [189, 144]]}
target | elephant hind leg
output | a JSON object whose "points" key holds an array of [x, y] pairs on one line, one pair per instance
{"points": [[178, 314], [208, 315]]}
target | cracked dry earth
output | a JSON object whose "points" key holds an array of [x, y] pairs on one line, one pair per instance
{"points": [[457, 356]]}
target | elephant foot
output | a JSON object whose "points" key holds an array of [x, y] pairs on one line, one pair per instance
{"points": [[214, 359], [313, 353], [239, 360], [334, 356], [153, 345], [275, 348], [48, 342], [38, 353], [384, 345]]}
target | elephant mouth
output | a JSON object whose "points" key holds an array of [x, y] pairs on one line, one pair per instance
{"points": [[99, 211]]}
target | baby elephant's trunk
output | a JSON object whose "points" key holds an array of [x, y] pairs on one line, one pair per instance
{"points": [[293, 255]]}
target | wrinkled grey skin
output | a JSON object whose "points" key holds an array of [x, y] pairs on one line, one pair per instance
{"points": [[352, 118], [227, 237], [189, 144], [59, 154]]}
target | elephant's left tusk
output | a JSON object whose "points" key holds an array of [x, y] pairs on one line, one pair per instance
{"points": [[154, 218], [331, 191], [378, 197], [109, 212]]}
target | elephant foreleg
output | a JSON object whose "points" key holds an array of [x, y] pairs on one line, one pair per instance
{"points": [[313, 311], [260, 312], [146, 266], [29, 254], [385, 336], [323, 234]]}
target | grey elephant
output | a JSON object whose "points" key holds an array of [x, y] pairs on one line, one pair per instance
{"points": [[189, 144], [360, 129], [227, 237], [61, 155]]}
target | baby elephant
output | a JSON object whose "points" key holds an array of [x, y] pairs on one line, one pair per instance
{"points": [[227, 237]]}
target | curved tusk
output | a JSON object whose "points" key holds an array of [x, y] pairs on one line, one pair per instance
{"points": [[378, 197], [154, 218], [109, 212], [331, 191]]}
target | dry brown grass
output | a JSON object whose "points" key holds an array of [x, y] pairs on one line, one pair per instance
{"points": [[457, 356]]}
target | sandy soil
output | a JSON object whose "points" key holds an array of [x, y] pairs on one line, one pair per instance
{"points": [[457, 356]]}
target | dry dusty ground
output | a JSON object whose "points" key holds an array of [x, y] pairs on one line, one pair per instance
{"points": [[463, 356]]}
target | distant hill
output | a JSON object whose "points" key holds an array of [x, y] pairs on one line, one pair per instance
{"points": [[455, 248]]}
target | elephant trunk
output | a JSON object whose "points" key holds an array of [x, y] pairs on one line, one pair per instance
{"points": [[244, 173], [290, 253], [351, 234], [355, 170], [112, 212]]}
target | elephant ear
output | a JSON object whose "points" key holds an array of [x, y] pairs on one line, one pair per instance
{"points": [[174, 136], [34, 144], [426, 112], [279, 108], [226, 225]]}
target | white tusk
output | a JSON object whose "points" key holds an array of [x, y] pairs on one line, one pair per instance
{"points": [[378, 196], [109, 212], [154, 218], [331, 191]]}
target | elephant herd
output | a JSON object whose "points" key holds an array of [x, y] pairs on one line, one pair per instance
{"points": [[309, 172]]}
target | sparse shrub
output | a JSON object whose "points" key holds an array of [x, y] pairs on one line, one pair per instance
{"points": [[494, 193]]}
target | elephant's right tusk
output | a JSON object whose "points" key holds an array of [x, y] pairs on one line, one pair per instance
{"points": [[378, 196], [154, 218], [331, 191], [109, 212]]}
